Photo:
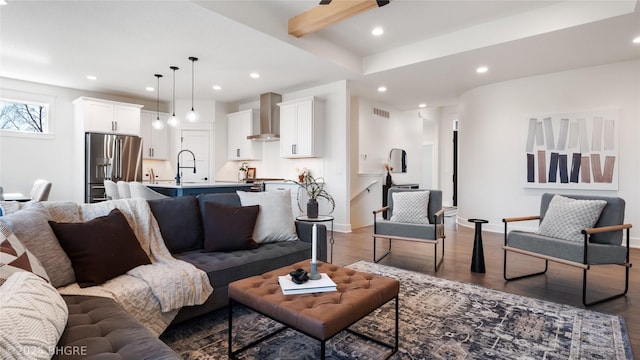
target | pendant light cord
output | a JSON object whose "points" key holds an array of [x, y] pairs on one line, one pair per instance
{"points": [[158, 97], [174, 68], [193, 60]]}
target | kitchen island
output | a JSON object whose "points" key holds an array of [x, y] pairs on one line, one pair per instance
{"points": [[193, 189]]}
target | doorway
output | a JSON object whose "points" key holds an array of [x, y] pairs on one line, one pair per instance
{"points": [[455, 166], [198, 141]]}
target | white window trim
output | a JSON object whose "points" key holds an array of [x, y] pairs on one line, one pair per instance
{"points": [[26, 97]]}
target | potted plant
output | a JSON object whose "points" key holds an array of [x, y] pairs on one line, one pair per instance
{"points": [[314, 189]]}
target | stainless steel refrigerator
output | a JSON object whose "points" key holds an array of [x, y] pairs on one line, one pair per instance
{"points": [[110, 157]]}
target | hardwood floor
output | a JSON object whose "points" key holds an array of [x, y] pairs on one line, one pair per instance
{"points": [[561, 284]]}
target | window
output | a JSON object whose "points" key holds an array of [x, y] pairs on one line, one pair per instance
{"points": [[24, 114]]}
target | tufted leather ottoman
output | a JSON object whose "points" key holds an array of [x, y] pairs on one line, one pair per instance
{"points": [[318, 315]]}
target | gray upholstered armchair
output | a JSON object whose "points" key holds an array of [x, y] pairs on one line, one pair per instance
{"points": [[412, 216], [561, 238]]}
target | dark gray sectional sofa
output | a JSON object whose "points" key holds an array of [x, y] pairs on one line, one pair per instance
{"points": [[103, 330], [180, 221], [98, 328]]}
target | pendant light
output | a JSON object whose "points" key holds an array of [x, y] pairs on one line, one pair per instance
{"points": [[157, 124], [173, 121], [192, 115]]}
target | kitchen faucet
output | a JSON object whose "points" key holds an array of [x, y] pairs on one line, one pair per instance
{"points": [[185, 167]]}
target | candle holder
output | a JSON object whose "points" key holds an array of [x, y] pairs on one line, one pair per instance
{"points": [[313, 274]]}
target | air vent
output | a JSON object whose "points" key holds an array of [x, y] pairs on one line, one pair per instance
{"points": [[381, 113]]}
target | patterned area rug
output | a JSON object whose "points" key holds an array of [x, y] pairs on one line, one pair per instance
{"points": [[439, 319]]}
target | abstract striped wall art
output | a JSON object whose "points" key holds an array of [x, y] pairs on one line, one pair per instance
{"points": [[572, 150]]}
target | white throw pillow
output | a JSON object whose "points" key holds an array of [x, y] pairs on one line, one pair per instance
{"points": [[566, 218], [275, 219], [32, 317], [410, 207]]}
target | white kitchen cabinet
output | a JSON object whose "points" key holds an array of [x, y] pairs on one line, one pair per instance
{"points": [[155, 143], [97, 115], [240, 125], [301, 125]]}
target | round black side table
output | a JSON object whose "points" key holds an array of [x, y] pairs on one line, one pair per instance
{"points": [[477, 261]]}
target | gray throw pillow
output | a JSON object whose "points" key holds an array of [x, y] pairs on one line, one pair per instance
{"points": [[31, 226], [566, 218], [275, 219]]}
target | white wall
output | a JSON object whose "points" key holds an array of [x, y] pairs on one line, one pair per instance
{"points": [[376, 137], [25, 159], [491, 138], [430, 146]]}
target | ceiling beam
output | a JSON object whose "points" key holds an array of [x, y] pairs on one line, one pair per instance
{"points": [[322, 16]]}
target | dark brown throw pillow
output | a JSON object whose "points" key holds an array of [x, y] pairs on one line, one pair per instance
{"points": [[100, 249], [229, 228]]}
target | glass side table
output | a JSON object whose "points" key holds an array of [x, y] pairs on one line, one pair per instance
{"points": [[321, 218]]}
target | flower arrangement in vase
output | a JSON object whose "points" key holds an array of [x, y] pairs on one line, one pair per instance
{"points": [[302, 172], [242, 171], [314, 189], [388, 180]]}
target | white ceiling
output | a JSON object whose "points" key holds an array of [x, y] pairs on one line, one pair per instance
{"points": [[428, 53]]}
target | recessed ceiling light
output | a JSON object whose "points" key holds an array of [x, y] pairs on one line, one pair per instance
{"points": [[482, 69], [3, 2], [217, 87], [382, 89], [150, 88], [92, 77], [423, 105], [636, 40], [254, 75], [377, 31]]}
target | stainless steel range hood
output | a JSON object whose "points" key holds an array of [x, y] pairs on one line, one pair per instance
{"points": [[269, 118]]}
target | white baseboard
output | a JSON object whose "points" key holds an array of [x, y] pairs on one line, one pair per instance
{"points": [[341, 228]]}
